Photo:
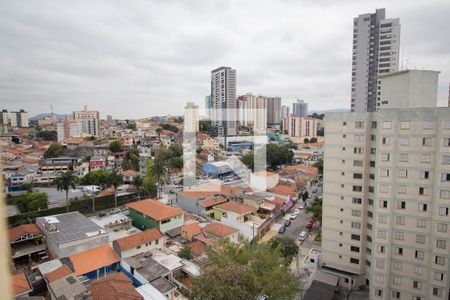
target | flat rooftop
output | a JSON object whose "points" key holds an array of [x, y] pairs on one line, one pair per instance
{"points": [[147, 267], [69, 227], [163, 285]]}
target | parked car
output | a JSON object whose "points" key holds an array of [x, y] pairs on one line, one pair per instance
{"points": [[297, 211], [302, 236], [302, 206], [294, 216], [287, 223], [282, 230], [314, 190]]}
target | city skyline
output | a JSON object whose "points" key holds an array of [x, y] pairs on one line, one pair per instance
{"points": [[119, 54]]}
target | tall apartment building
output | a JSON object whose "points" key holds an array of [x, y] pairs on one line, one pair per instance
{"points": [[67, 129], [252, 111], [89, 120], [376, 47], [191, 118], [305, 127], [285, 112], [223, 97], [273, 110], [300, 108], [386, 200], [16, 118], [209, 107]]}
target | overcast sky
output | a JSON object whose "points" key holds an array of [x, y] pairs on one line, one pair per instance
{"points": [[141, 58]]}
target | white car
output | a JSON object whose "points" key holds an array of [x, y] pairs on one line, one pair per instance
{"points": [[302, 236], [302, 206], [297, 211]]}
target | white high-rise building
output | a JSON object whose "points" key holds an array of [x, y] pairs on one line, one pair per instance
{"points": [[223, 97], [252, 111], [376, 47], [285, 111], [18, 119], [67, 129], [300, 108], [305, 127], [89, 121], [386, 199], [191, 118]]}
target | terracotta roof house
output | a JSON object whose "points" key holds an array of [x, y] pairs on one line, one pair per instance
{"points": [[116, 287], [150, 213], [95, 262], [27, 240], [138, 243], [190, 230], [236, 208], [221, 231], [58, 273], [20, 285]]}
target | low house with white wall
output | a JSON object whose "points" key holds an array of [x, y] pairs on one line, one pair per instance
{"points": [[138, 243]]}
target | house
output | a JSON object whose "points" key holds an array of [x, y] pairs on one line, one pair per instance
{"points": [[97, 162], [221, 232], [57, 274], [94, 263], [67, 287], [150, 213], [285, 189], [138, 243], [129, 175], [190, 230], [117, 286], [207, 206], [71, 233], [21, 286], [210, 143], [27, 243]]}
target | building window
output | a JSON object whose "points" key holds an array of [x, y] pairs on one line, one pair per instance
{"points": [[404, 125], [424, 175], [354, 249], [387, 125], [358, 150], [428, 125], [381, 234], [384, 188], [446, 159], [381, 249], [400, 220], [382, 219], [359, 137], [356, 225], [421, 223], [358, 163], [403, 157], [417, 284], [425, 158], [357, 188], [356, 200], [356, 237], [403, 141], [419, 255], [423, 207], [384, 156], [380, 264], [441, 227], [443, 211], [397, 280], [439, 260], [423, 191], [426, 141], [384, 172], [420, 239], [399, 235], [359, 124], [401, 204], [445, 177], [357, 175], [385, 140], [402, 189], [354, 260], [403, 173], [444, 194], [397, 265], [441, 244], [383, 204], [438, 276], [379, 278], [398, 251], [437, 292]]}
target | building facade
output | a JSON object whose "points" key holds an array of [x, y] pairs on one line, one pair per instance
{"points": [[252, 111], [273, 110], [302, 127], [191, 119], [376, 47], [89, 120], [223, 97], [387, 201], [300, 108], [68, 128]]}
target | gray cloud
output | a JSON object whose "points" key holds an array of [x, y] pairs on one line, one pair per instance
{"points": [[141, 58]]}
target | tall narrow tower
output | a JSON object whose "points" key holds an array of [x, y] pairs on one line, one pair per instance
{"points": [[376, 44]]}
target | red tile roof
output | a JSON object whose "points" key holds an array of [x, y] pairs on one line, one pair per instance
{"points": [[20, 283], [130, 173], [28, 160], [214, 190], [116, 287], [284, 189], [219, 230], [18, 231], [138, 239], [213, 201], [93, 259], [58, 273], [155, 210], [197, 248], [236, 208], [192, 229], [205, 240]]}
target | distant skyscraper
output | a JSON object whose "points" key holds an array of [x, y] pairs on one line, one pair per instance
{"points": [[18, 119], [209, 104], [191, 117], [89, 121], [376, 47], [273, 110], [285, 111], [223, 97], [252, 111], [300, 108], [67, 129]]}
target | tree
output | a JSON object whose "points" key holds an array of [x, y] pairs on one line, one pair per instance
{"points": [[31, 201], [287, 246], [313, 140], [305, 195], [132, 126], [316, 210], [176, 163], [278, 155], [243, 271], [185, 253], [131, 160], [177, 150], [158, 132], [115, 179], [54, 150], [138, 181], [169, 127], [97, 177], [305, 140], [158, 172], [47, 135], [66, 181], [248, 160], [149, 184], [319, 166], [115, 146]]}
